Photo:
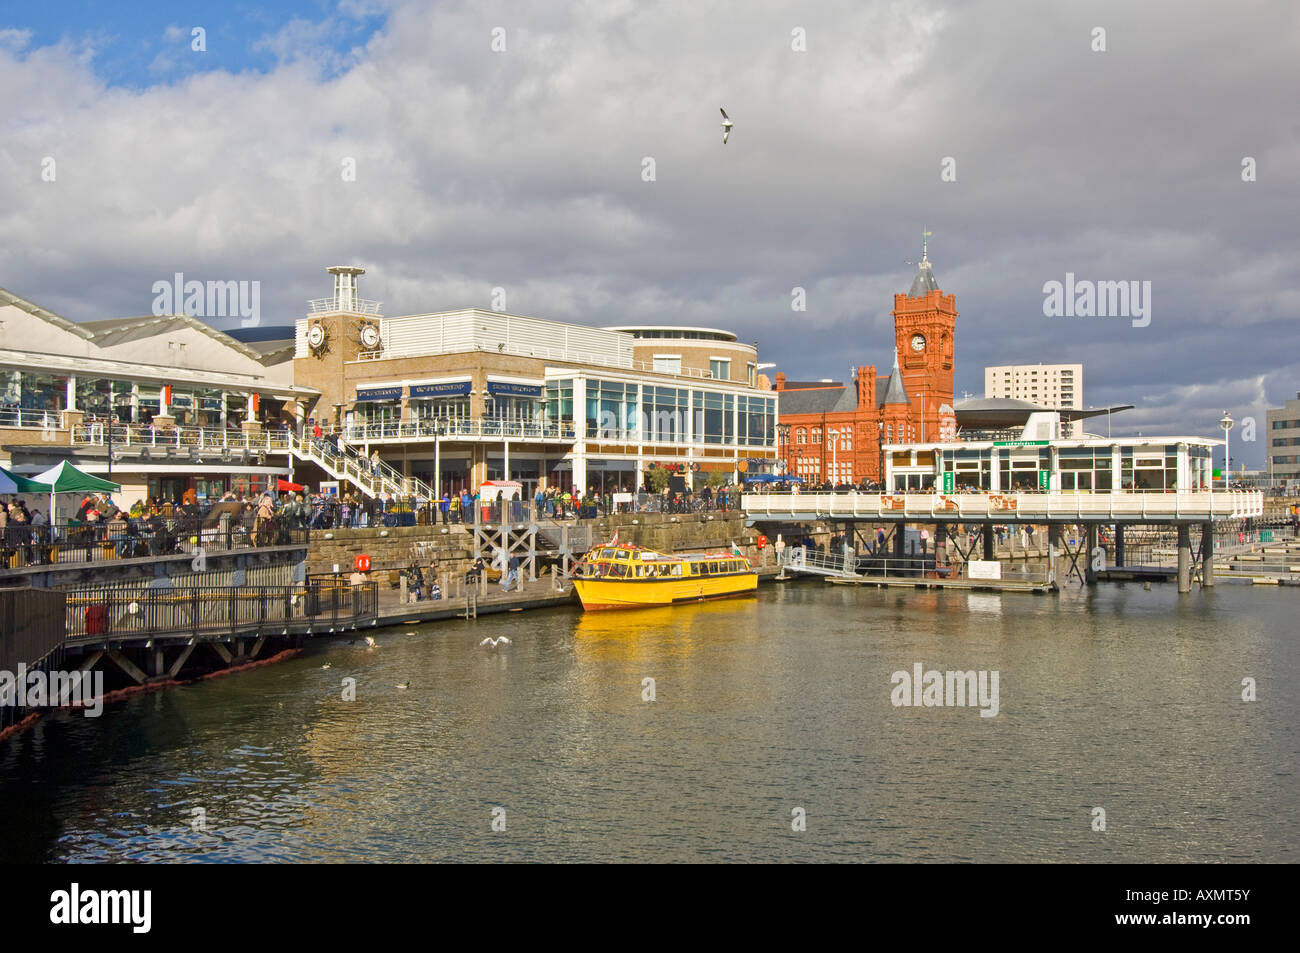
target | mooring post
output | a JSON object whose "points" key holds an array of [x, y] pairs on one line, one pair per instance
{"points": [[986, 530], [1207, 555], [1184, 558]]}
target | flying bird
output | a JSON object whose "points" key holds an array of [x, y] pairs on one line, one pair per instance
{"points": [[370, 641], [493, 642], [726, 125], [326, 665]]}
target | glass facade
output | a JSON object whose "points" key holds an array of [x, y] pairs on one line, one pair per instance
{"points": [[611, 409]]}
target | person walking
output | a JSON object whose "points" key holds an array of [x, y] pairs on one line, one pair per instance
{"points": [[511, 575]]}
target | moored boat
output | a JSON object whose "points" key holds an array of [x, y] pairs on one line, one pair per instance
{"points": [[622, 576]]}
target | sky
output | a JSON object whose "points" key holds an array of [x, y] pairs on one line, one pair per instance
{"points": [[453, 148]]}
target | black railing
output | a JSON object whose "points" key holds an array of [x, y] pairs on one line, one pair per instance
{"points": [[24, 545], [96, 614]]}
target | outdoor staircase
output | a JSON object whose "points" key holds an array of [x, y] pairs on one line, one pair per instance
{"points": [[803, 560], [354, 467]]}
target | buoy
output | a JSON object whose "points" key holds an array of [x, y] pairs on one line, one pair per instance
{"points": [[762, 542], [361, 563]]}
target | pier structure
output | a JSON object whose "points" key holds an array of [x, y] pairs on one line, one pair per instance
{"points": [[978, 513]]}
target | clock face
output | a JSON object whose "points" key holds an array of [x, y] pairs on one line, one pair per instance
{"points": [[918, 342], [370, 336], [316, 335]]}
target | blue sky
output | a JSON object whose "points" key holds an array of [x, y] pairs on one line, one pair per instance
{"points": [[146, 42]]}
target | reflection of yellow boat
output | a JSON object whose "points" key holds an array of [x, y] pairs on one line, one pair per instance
{"points": [[629, 577]]}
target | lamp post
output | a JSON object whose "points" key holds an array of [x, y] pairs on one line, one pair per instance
{"points": [[783, 440], [832, 436], [1226, 423]]}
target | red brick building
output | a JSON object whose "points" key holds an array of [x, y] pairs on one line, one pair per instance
{"points": [[835, 431]]}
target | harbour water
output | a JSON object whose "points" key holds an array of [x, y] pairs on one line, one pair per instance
{"points": [[1120, 697]]}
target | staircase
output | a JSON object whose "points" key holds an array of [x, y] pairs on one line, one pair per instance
{"points": [[552, 533], [355, 468]]}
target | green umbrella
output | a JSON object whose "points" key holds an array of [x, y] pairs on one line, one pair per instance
{"points": [[13, 483], [65, 478]]}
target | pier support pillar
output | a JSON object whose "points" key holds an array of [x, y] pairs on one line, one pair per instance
{"points": [[940, 544], [1090, 570], [900, 534], [1053, 542], [986, 530], [1207, 555], [1119, 545], [1184, 558]]}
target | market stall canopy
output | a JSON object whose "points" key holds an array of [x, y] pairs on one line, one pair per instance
{"points": [[65, 478], [284, 486], [13, 483]]}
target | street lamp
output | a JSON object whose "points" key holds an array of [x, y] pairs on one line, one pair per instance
{"points": [[1226, 423], [832, 435]]}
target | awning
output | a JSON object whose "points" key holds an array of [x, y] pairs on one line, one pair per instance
{"points": [[13, 483], [380, 393], [441, 389], [510, 389], [284, 486]]}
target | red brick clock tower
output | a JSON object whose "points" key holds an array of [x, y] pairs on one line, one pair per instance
{"points": [[925, 323]]}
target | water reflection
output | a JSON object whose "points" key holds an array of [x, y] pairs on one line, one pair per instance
{"points": [[1117, 697]]}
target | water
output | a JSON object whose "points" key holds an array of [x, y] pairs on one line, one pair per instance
{"points": [[1119, 698]]}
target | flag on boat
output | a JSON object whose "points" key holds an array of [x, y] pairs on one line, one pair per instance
{"points": [[614, 541], [735, 550]]}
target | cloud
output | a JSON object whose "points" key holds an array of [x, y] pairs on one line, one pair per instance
{"points": [[523, 169]]}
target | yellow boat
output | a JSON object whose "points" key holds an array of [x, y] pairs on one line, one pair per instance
{"points": [[622, 576]]}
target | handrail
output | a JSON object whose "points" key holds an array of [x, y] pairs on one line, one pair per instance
{"points": [[1123, 505]]}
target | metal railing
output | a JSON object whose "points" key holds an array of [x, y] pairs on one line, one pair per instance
{"points": [[430, 428], [99, 614], [32, 417], [330, 306], [544, 353], [203, 439], [68, 543], [1124, 505]]}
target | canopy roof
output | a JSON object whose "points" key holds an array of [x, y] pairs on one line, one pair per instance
{"points": [[13, 483], [65, 478]]}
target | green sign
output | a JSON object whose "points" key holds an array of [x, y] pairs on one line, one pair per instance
{"points": [[1021, 443], [948, 481], [1044, 479]]}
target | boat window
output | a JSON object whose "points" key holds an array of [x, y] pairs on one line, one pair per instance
{"points": [[665, 570], [677, 569], [624, 556], [617, 570], [607, 554]]}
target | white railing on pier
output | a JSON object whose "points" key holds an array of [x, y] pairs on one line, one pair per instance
{"points": [[1123, 506], [343, 462]]}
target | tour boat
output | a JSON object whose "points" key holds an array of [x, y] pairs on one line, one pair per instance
{"points": [[622, 576]]}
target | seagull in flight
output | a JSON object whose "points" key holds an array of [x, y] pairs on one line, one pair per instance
{"points": [[370, 641], [493, 642], [726, 125]]}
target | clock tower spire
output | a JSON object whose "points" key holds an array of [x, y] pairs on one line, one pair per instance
{"points": [[925, 323]]}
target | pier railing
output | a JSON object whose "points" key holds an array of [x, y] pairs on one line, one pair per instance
{"points": [[1123, 506], [63, 543], [102, 614]]}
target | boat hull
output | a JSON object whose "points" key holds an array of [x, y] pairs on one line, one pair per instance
{"points": [[604, 594]]}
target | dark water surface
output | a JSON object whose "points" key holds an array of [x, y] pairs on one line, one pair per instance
{"points": [[1119, 698]]}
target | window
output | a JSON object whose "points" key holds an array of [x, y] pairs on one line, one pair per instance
{"points": [[801, 435], [665, 410], [817, 435], [720, 368], [714, 417], [611, 409], [668, 363]]}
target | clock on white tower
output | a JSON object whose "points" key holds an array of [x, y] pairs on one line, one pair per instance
{"points": [[918, 343]]}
